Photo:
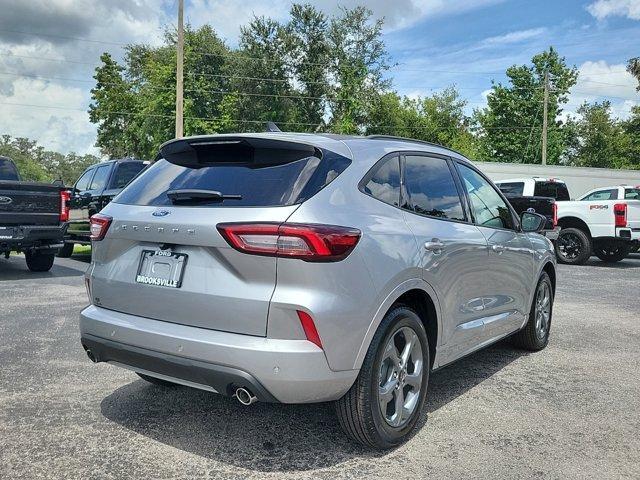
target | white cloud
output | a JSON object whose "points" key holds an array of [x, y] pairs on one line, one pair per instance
{"points": [[598, 81], [514, 37], [226, 16], [623, 8]]}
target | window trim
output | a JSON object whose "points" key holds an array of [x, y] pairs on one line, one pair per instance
{"points": [[404, 193], [517, 227]]}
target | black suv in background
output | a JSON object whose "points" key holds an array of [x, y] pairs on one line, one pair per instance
{"points": [[95, 188]]}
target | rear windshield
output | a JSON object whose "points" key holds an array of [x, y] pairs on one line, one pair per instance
{"points": [[8, 170], [555, 190], [262, 186], [515, 189]]}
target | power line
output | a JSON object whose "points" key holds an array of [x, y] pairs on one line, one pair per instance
{"points": [[250, 121]]}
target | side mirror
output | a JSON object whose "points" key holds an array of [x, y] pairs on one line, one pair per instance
{"points": [[532, 222]]}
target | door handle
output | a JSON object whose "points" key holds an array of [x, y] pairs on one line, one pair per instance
{"points": [[435, 246], [498, 248]]}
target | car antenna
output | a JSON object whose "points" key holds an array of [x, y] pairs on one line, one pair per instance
{"points": [[272, 127]]}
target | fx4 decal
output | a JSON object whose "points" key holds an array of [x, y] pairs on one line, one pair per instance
{"points": [[598, 207]]}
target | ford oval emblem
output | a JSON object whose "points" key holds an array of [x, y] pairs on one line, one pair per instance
{"points": [[5, 200], [161, 213]]}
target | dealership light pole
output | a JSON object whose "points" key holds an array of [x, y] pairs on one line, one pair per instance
{"points": [[179, 73]]}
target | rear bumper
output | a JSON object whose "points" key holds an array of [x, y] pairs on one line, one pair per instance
{"points": [[27, 237], [628, 233], [287, 371]]}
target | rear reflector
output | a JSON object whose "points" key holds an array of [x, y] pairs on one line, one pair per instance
{"points": [[99, 226], [309, 242], [554, 207], [620, 214], [309, 328], [65, 197]]}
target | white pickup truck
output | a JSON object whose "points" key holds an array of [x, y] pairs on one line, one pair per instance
{"points": [[604, 222]]}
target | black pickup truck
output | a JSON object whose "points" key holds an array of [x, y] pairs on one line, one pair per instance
{"points": [[32, 217], [95, 188], [543, 205]]}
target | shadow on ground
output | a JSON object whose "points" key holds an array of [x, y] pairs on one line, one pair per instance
{"points": [[15, 268], [630, 262], [271, 437]]}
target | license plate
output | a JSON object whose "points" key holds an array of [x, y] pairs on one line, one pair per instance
{"points": [[161, 268]]}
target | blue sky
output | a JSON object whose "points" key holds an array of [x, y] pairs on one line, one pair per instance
{"points": [[49, 48]]}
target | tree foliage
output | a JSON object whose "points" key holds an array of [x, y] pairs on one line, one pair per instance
{"points": [[37, 164]]}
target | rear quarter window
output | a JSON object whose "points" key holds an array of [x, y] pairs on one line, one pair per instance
{"points": [[8, 170], [283, 184], [511, 188]]}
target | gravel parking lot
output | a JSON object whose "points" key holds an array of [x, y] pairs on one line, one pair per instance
{"points": [[572, 410]]}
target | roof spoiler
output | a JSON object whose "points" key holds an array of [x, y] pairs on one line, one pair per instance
{"points": [[197, 152]]}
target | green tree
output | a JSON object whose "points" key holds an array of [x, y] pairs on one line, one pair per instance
{"points": [[598, 139], [359, 62], [510, 126], [633, 67]]}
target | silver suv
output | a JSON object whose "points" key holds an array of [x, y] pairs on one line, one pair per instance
{"points": [[300, 268]]}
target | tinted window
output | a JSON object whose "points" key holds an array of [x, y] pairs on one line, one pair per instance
{"points": [[100, 178], [489, 209], [385, 182], [609, 194], [632, 193], [259, 186], [555, 190], [125, 172], [8, 170], [431, 188], [83, 181], [512, 188]]}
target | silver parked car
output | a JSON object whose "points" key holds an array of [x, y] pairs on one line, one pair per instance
{"points": [[299, 268]]}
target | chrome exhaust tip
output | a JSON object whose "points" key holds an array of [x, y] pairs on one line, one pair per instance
{"points": [[91, 356], [245, 397]]}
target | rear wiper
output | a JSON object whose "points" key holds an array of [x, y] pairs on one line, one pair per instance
{"points": [[191, 195]]}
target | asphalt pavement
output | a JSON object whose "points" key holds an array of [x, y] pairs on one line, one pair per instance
{"points": [[570, 411]]}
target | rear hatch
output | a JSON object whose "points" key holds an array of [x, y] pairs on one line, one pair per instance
{"points": [[29, 203], [163, 257]]}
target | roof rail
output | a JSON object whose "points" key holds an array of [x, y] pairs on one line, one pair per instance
{"points": [[412, 140]]}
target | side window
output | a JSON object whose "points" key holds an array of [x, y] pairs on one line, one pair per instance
{"points": [[632, 194], [557, 190], [489, 209], [611, 194], [384, 184], [125, 172], [511, 188], [100, 178], [83, 182], [431, 188]]}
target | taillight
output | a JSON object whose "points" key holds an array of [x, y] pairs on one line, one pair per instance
{"points": [[309, 242], [99, 226], [65, 197], [620, 214], [309, 328], [554, 207]]}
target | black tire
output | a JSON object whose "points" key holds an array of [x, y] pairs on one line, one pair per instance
{"points": [[39, 262], [358, 411], [530, 337], [611, 251], [66, 251], [157, 381], [573, 246]]}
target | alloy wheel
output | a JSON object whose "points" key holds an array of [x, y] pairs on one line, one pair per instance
{"points": [[543, 309], [400, 379]]}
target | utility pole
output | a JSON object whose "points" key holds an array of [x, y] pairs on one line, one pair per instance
{"points": [[179, 73], [545, 108]]}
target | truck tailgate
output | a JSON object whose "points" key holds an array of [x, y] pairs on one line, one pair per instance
{"points": [[29, 203]]}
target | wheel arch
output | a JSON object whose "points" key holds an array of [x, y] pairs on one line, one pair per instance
{"points": [[419, 295], [550, 268], [575, 222]]}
